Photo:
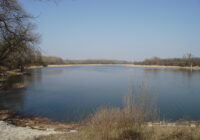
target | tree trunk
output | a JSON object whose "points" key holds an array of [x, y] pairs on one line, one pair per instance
{"points": [[22, 68]]}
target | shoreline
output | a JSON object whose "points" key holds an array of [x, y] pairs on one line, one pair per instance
{"points": [[14, 126], [127, 65], [13, 132], [35, 122], [67, 65], [18, 127], [163, 66], [42, 123]]}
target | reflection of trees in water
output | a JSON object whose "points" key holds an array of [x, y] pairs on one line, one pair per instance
{"points": [[36, 75], [189, 78], [13, 80], [13, 98], [183, 78], [23, 81], [149, 72], [188, 74], [184, 73]]}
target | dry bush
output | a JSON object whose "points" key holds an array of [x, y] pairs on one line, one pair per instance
{"points": [[138, 108], [128, 121], [145, 133], [182, 133]]}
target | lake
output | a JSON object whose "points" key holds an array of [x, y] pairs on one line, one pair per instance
{"points": [[71, 93]]}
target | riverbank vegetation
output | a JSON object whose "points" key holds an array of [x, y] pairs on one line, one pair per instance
{"points": [[186, 61], [53, 60], [132, 122], [134, 133]]}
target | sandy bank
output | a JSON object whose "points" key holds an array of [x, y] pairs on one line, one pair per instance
{"points": [[16, 127], [11, 132], [66, 65], [127, 65], [130, 65], [160, 66], [34, 67]]}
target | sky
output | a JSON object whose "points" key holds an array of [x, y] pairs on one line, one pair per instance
{"points": [[130, 30]]}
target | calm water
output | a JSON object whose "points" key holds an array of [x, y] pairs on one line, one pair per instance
{"points": [[71, 93]]}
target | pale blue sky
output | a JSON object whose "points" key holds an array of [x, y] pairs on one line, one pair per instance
{"points": [[117, 29]]}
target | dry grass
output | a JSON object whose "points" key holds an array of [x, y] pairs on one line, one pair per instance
{"points": [[128, 123], [134, 133]]}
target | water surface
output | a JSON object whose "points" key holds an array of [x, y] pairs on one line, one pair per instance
{"points": [[71, 93]]}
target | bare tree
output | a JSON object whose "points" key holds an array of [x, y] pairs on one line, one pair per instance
{"points": [[189, 57], [17, 40]]}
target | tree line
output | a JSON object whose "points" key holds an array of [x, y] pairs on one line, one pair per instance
{"points": [[186, 61], [48, 60]]}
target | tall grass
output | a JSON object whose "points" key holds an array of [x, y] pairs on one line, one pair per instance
{"points": [[129, 123], [109, 123]]}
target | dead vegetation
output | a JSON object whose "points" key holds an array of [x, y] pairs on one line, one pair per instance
{"points": [[130, 122], [34, 122]]}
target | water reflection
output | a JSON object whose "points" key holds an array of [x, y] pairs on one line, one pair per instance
{"points": [[12, 101], [71, 93], [12, 97]]}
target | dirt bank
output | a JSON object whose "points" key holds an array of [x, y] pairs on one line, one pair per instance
{"points": [[12, 132], [34, 122], [17, 127]]}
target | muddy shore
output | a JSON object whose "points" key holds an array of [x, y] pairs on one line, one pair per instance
{"points": [[12, 132], [35, 122], [15, 126], [18, 127]]}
